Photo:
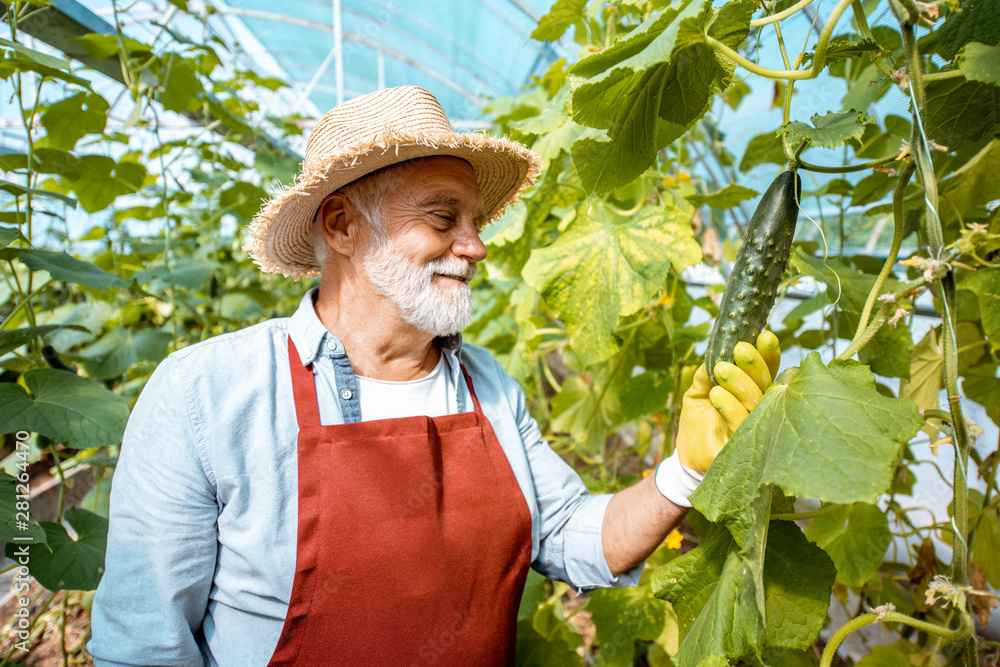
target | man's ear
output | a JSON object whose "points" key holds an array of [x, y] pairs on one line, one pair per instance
{"points": [[340, 224]]}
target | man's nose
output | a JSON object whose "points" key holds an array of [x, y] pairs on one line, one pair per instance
{"points": [[468, 245]]}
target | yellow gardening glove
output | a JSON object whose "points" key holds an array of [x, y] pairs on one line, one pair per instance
{"points": [[710, 413]]}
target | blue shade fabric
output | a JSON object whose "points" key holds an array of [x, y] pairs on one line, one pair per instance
{"points": [[463, 51]]}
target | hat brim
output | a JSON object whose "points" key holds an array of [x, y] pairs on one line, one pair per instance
{"points": [[280, 234]]}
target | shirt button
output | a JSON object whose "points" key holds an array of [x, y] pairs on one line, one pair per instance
{"points": [[346, 394], [332, 346]]}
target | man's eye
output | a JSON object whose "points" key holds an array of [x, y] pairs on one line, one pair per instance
{"points": [[444, 215]]}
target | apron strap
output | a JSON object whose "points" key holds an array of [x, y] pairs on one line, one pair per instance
{"points": [[303, 388], [475, 399]]}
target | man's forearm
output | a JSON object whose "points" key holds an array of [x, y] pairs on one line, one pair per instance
{"points": [[636, 522]]}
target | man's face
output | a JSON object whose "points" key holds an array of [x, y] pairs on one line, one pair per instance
{"points": [[432, 247]]}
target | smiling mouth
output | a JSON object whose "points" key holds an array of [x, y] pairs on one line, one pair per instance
{"points": [[458, 278]]}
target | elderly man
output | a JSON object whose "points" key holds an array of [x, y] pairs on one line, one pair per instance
{"points": [[353, 485]]}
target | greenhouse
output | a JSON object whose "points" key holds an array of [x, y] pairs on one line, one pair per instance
{"points": [[500, 332]]}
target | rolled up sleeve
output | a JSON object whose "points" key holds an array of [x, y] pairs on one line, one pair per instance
{"points": [[571, 519], [162, 539]]}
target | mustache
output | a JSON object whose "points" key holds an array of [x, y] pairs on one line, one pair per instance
{"points": [[452, 267]]}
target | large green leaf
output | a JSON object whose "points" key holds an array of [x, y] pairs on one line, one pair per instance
{"points": [[8, 235], [974, 184], [41, 58], [889, 352], [13, 528], [243, 199], [986, 548], [982, 386], [61, 266], [662, 70], [72, 118], [727, 197], [643, 395], [972, 21], [606, 160], [180, 84], [510, 238], [979, 62], [705, 587], [64, 407], [533, 595], [926, 382], [856, 537], [575, 410], [829, 130], [67, 564], [622, 616], [11, 339], [535, 650], [884, 656], [841, 280], [562, 15], [605, 267], [23, 59], [18, 190], [189, 272], [118, 350], [101, 180], [821, 432], [762, 149], [960, 112], [985, 284], [843, 48]]}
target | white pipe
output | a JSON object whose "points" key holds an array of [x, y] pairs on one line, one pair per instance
{"points": [[338, 47]]}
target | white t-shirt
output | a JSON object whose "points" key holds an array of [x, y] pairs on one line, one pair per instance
{"points": [[432, 396]]}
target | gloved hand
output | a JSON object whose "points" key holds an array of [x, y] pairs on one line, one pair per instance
{"points": [[710, 413]]}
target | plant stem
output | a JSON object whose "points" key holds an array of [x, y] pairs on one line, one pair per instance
{"points": [[819, 58], [773, 18], [941, 76], [62, 628], [963, 632], [24, 300], [960, 518], [859, 16], [885, 312], [897, 240], [611, 375], [848, 168], [931, 413], [62, 482]]}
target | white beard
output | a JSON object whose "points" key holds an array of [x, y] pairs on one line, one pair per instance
{"points": [[440, 311]]}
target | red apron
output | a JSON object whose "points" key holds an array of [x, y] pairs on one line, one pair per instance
{"points": [[414, 541]]}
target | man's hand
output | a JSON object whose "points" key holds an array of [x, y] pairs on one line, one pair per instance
{"points": [[710, 413], [637, 519]]}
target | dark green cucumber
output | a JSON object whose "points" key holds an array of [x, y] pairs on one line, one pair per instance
{"points": [[760, 263]]}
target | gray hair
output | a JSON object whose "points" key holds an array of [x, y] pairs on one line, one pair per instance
{"points": [[368, 195]]}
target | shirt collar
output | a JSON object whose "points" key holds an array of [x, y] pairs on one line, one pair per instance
{"points": [[307, 331], [305, 328]]}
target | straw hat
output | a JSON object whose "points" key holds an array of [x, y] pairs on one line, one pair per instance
{"points": [[361, 136]]}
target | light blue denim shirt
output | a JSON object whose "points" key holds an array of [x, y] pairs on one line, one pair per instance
{"points": [[201, 547]]}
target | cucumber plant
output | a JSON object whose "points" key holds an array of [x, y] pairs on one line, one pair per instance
{"points": [[632, 133]]}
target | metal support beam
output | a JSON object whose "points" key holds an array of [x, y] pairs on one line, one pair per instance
{"points": [[338, 48], [311, 86], [59, 22]]}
